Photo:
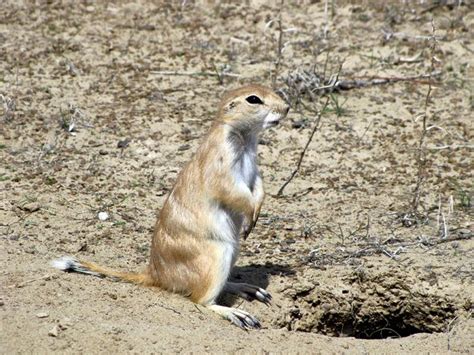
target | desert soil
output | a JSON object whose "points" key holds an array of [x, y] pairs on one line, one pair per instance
{"points": [[368, 249]]}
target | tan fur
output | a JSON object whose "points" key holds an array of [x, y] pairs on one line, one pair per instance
{"points": [[191, 253], [137, 278]]}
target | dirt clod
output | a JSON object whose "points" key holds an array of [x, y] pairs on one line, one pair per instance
{"points": [[395, 309]]}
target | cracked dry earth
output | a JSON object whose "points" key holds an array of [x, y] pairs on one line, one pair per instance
{"points": [[101, 105]]}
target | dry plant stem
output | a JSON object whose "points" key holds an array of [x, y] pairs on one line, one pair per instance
{"points": [[442, 3], [377, 247], [421, 151], [219, 75], [304, 82], [300, 160], [389, 35], [358, 83], [198, 73], [447, 240], [168, 308], [280, 47], [326, 21], [23, 284], [326, 62], [452, 146], [449, 328]]}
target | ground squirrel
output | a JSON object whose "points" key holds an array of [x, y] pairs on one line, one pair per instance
{"points": [[216, 197]]}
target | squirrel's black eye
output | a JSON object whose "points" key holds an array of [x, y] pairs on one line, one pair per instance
{"points": [[254, 100]]}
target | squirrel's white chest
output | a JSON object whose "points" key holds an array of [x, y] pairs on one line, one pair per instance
{"points": [[245, 169]]}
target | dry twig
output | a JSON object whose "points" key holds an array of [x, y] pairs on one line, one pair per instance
{"points": [[421, 152], [300, 160], [196, 73], [23, 284], [306, 82], [280, 46], [326, 19], [389, 35]]}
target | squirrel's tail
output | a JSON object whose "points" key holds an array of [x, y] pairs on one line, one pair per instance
{"points": [[71, 264]]}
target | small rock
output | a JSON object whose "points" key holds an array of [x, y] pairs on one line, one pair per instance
{"points": [[185, 131], [30, 207], [103, 216], [42, 315], [465, 232], [111, 295], [123, 143], [63, 326], [184, 147], [298, 124], [31, 250], [83, 246], [156, 96], [54, 331]]}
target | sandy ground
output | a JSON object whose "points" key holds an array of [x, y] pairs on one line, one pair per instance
{"points": [[92, 121]]}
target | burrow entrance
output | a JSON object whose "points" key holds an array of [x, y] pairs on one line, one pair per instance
{"points": [[371, 307]]}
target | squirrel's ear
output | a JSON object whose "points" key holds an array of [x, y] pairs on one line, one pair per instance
{"points": [[230, 106]]}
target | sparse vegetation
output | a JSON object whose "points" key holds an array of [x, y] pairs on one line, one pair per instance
{"points": [[101, 105], [336, 106]]}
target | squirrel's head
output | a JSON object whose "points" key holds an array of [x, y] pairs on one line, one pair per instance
{"points": [[252, 107]]}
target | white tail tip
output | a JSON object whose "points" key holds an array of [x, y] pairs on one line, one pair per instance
{"points": [[71, 264], [66, 263]]}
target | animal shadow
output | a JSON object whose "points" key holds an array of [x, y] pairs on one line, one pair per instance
{"points": [[258, 275]]}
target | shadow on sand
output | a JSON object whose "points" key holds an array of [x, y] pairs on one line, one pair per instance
{"points": [[258, 275]]}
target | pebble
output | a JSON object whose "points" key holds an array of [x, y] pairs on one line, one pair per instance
{"points": [[30, 207], [42, 315], [65, 323], [184, 147], [465, 232], [297, 124], [103, 216], [123, 143], [54, 331]]}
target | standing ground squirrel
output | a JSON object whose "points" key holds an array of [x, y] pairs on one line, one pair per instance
{"points": [[216, 196]]}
